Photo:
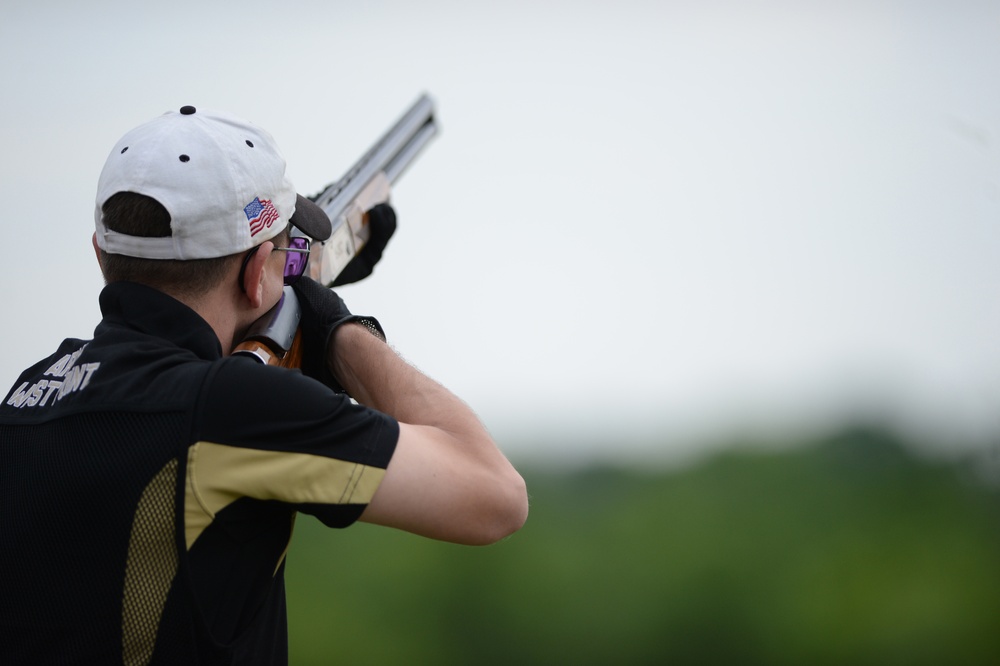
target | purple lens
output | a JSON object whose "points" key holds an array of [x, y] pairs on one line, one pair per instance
{"points": [[295, 262]]}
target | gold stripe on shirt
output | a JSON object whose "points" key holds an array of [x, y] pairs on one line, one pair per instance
{"points": [[219, 474]]}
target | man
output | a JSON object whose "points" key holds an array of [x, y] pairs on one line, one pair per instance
{"points": [[149, 479]]}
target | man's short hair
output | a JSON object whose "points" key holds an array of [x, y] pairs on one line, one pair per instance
{"points": [[139, 215]]}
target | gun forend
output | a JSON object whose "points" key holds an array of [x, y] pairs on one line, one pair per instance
{"points": [[366, 184]]}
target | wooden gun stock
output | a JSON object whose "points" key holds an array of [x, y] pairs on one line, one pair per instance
{"points": [[268, 355]]}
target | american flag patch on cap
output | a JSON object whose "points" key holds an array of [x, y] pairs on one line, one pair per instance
{"points": [[260, 215]]}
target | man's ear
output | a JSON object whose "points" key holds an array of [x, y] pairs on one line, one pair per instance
{"points": [[97, 251], [253, 276]]}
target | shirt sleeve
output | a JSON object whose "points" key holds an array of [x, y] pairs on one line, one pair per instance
{"points": [[272, 434]]}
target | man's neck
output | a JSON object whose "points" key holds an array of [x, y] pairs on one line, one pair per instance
{"points": [[217, 309]]}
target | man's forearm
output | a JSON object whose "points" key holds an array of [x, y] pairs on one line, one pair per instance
{"points": [[447, 479], [374, 375]]}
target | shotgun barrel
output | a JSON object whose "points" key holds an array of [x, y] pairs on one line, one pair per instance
{"points": [[366, 184]]}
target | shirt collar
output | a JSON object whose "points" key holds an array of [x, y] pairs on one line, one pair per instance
{"points": [[147, 310]]}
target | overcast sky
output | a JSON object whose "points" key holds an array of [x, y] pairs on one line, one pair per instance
{"points": [[642, 221]]}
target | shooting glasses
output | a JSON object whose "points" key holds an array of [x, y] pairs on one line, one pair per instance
{"points": [[296, 258]]}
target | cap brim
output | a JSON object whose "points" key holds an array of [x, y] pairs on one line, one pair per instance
{"points": [[311, 219]]}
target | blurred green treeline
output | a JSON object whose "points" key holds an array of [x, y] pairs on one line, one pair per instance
{"points": [[846, 551]]}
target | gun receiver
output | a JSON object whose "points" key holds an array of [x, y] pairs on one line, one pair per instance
{"points": [[366, 184], [274, 339]]}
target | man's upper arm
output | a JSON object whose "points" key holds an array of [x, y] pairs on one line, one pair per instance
{"points": [[430, 488]]}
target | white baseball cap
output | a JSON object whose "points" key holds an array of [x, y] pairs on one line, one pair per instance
{"points": [[221, 179]]}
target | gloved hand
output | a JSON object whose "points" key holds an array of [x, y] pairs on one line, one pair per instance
{"points": [[381, 225], [322, 312]]}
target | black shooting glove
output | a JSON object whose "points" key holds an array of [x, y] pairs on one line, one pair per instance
{"points": [[381, 226], [322, 312]]}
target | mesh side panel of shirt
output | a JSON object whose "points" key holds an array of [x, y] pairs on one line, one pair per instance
{"points": [[150, 568], [87, 518]]}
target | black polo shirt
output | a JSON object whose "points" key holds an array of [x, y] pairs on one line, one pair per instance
{"points": [[148, 488]]}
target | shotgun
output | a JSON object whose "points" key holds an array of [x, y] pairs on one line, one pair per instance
{"points": [[273, 339]]}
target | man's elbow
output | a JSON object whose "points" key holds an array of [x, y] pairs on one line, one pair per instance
{"points": [[508, 513]]}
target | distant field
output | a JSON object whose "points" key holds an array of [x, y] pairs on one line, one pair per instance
{"points": [[847, 551]]}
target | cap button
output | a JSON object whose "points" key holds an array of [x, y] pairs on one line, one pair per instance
{"points": [[187, 110]]}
